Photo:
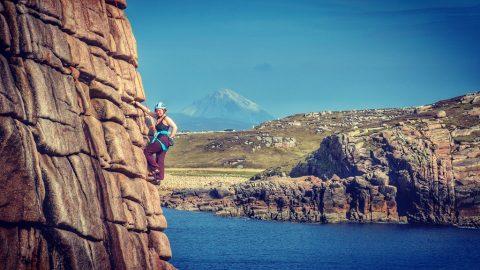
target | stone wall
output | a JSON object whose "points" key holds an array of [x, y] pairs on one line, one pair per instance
{"points": [[73, 185]]}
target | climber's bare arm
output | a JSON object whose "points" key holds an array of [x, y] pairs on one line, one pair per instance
{"points": [[144, 108], [151, 122], [152, 127], [171, 123], [148, 113]]}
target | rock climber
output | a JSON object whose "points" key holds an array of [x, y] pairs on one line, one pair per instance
{"points": [[165, 130]]}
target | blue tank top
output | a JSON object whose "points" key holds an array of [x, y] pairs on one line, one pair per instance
{"points": [[162, 127]]}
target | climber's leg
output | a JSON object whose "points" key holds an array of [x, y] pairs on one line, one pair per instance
{"points": [[150, 151], [161, 159], [161, 165]]}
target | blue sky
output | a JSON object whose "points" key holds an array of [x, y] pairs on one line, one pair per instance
{"points": [[294, 56]]}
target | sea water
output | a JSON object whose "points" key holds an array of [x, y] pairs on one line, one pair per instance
{"points": [[205, 241]]}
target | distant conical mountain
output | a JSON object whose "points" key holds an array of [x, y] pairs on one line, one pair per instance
{"points": [[227, 104], [223, 109]]}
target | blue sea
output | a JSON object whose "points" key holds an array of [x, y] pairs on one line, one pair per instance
{"points": [[204, 241]]}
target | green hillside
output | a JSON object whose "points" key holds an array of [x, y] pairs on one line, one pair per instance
{"points": [[281, 142]]}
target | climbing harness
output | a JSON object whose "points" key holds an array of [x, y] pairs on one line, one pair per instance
{"points": [[156, 138], [159, 133]]}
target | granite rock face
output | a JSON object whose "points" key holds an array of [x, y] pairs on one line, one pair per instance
{"points": [[73, 181], [418, 168]]}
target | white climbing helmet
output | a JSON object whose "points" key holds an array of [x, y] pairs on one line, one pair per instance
{"points": [[160, 105]]}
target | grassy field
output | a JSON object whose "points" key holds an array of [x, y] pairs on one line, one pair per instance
{"points": [[213, 172], [183, 178], [256, 148], [189, 150]]}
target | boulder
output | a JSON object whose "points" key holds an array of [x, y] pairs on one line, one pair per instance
{"points": [[441, 114], [108, 111], [136, 217], [96, 137], [380, 178], [219, 192], [134, 132], [59, 139], [157, 222], [159, 242], [118, 143], [130, 250]]}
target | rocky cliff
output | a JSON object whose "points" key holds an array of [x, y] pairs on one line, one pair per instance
{"points": [[417, 168], [73, 188]]}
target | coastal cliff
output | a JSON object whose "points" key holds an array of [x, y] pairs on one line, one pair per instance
{"points": [[73, 180], [419, 167]]}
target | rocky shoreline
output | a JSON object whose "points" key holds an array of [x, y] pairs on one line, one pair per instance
{"points": [[424, 169], [305, 199]]}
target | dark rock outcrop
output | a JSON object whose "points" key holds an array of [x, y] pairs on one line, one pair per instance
{"points": [[303, 199], [73, 181], [418, 169], [434, 164]]}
